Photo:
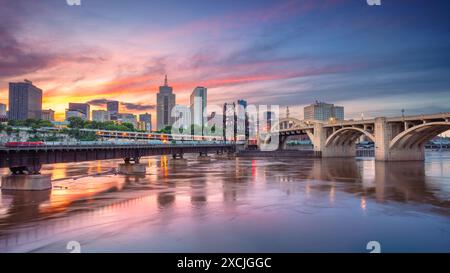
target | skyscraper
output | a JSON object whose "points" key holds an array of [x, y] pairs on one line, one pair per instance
{"points": [[323, 111], [82, 107], [25, 101], [198, 105], [165, 101]]}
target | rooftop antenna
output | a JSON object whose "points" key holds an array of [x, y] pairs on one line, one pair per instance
{"points": [[165, 81]]}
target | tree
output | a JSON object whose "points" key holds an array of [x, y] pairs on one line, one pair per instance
{"points": [[76, 122], [166, 130]]}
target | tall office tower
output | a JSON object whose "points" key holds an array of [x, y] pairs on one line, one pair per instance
{"points": [[147, 120], [112, 107], [82, 107], [100, 115], [25, 101], [323, 111], [165, 101], [198, 107], [48, 115]]}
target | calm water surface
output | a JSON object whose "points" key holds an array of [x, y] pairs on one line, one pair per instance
{"points": [[239, 205]]}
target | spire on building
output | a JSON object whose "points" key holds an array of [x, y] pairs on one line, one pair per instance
{"points": [[287, 111], [165, 81]]}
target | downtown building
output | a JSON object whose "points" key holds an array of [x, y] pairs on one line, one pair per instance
{"points": [[323, 111], [48, 114], [165, 102], [3, 113], [127, 118], [145, 122], [75, 113], [100, 115], [198, 104], [81, 107], [25, 101], [113, 109]]}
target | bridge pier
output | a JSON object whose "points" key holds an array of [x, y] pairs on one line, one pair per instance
{"points": [[203, 156], [384, 133], [178, 155], [132, 166], [26, 182], [27, 177]]}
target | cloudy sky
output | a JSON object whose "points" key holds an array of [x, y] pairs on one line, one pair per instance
{"points": [[374, 60]]}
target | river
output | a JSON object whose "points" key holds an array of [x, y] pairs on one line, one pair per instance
{"points": [[235, 205]]}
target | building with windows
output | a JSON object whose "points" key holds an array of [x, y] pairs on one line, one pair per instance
{"points": [[82, 107], [112, 107], [25, 101], [48, 115], [198, 104], [165, 101], [100, 115], [127, 118], [3, 113], [75, 113], [147, 120], [323, 111]]}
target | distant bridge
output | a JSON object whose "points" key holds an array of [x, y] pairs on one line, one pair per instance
{"points": [[395, 138]]}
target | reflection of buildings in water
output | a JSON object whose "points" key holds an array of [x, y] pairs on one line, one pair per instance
{"points": [[236, 178], [401, 181], [387, 181], [166, 199], [198, 191], [58, 171], [22, 237], [23, 205]]}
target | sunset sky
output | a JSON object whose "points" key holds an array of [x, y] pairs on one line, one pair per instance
{"points": [[374, 60]]}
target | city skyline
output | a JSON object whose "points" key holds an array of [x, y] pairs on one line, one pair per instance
{"points": [[372, 60]]}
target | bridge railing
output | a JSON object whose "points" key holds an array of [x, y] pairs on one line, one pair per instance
{"points": [[97, 144]]}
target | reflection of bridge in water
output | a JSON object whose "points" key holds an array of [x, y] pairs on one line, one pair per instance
{"points": [[395, 138], [381, 182]]}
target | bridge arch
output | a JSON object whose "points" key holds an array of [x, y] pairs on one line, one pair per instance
{"points": [[347, 136], [289, 123], [417, 136]]}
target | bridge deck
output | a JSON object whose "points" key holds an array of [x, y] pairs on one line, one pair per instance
{"points": [[48, 154]]}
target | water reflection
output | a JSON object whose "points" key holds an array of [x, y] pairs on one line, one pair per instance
{"points": [[241, 204]]}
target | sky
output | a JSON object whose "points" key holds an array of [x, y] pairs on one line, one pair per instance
{"points": [[373, 60]]}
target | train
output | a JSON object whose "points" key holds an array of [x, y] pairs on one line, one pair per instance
{"points": [[24, 144]]}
